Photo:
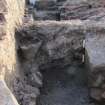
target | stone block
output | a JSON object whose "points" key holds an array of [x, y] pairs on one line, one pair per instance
{"points": [[95, 61], [6, 97]]}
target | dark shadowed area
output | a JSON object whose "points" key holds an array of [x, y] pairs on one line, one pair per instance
{"points": [[67, 86]]}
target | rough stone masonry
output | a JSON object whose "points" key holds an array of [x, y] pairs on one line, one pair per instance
{"points": [[11, 13]]}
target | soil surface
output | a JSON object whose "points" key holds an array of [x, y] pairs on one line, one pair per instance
{"points": [[65, 87]]}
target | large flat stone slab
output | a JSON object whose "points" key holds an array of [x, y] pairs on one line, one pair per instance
{"points": [[6, 97], [95, 48], [95, 61]]}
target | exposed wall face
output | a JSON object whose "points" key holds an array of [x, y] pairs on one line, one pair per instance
{"points": [[51, 43], [11, 13], [83, 9], [46, 44]]}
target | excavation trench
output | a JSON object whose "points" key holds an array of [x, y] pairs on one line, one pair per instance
{"points": [[48, 68], [51, 62]]}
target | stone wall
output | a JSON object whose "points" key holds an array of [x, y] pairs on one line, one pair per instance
{"points": [[11, 13], [83, 9], [12, 17]]}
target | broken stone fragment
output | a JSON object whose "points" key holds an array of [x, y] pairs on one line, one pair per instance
{"points": [[46, 4], [103, 95], [96, 93], [45, 15], [30, 50], [6, 97], [98, 81], [35, 80]]}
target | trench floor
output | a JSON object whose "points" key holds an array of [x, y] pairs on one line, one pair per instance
{"points": [[65, 87]]}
